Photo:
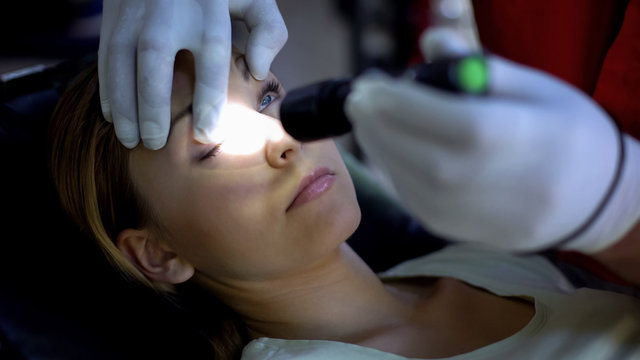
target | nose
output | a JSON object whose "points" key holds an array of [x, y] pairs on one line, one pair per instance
{"points": [[282, 149]]}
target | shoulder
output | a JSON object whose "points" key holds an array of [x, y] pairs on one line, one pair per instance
{"points": [[279, 349], [500, 272]]}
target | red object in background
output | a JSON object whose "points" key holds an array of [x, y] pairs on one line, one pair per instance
{"points": [[618, 87], [568, 38], [592, 44]]}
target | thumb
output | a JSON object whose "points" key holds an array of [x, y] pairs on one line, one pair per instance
{"points": [[440, 42], [267, 35], [261, 50]]}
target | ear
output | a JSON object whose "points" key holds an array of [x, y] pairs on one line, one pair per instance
{"points": [[155, 259]]}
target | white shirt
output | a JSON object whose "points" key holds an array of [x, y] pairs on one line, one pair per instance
{"points": [[568, 323]]}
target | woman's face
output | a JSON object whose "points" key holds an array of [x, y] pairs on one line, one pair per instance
{"points": [[258, 204]]}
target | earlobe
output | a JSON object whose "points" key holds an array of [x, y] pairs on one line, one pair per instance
{"points": [[153, 258]]}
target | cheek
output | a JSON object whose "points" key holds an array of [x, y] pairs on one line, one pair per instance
{"points": [[222, 225], [233, 223]]}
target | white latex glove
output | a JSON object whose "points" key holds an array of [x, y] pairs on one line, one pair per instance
{"points": [[138, 43], [522, 168]]}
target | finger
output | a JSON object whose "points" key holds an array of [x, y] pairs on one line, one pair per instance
{"points": [[239, 34], [391, 148], [212, 70], [121, 79], [453, 121], [267, 35], [414, 108], [442, 42], [156, 56], [109, 18]]}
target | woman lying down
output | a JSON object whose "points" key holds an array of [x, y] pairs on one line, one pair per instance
{"points": [[260, 220]]}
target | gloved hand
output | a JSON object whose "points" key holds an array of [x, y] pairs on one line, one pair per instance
{"points": [[522, 168], [138, 43]]}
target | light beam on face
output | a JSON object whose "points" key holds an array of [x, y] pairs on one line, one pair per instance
{"points": [[244, 131]]}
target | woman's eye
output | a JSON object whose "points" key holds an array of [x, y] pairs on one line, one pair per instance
{"points": [[211, 153], [266, 101], [270, 93]]}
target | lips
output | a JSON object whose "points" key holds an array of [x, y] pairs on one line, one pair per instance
{"points": [[313, 186]]}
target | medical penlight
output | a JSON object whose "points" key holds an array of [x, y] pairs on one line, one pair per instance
{"points": [[316, 111]]}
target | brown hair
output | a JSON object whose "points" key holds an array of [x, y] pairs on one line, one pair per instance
{"points": [[90, 169]]}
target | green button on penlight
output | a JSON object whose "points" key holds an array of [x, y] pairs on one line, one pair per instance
{"points": [[473, 75]]}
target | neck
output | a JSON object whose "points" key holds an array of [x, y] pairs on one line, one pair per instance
{"points": [[339, 298]]}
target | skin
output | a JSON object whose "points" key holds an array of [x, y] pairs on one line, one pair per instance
{"points": [[287, 271], [622, 257], [233, 208]]}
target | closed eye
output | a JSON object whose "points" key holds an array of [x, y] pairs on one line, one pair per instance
{"points": [[213, 152]]}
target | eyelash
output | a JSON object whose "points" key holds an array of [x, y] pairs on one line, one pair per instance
{"points": [[272, 86], [212, 153]]}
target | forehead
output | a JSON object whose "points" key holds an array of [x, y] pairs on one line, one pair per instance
{"points": [[183, 82], [184, 76]]}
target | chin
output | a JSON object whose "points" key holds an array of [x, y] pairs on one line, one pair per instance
{"points": [[351, 221], [347, 214], [345, 219], [333, 226]]}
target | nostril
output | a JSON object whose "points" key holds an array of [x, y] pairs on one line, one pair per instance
{"points": [[282, 151], [285, 154]]}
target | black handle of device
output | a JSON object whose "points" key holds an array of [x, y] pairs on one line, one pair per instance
{"points": [[316, 111]]}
